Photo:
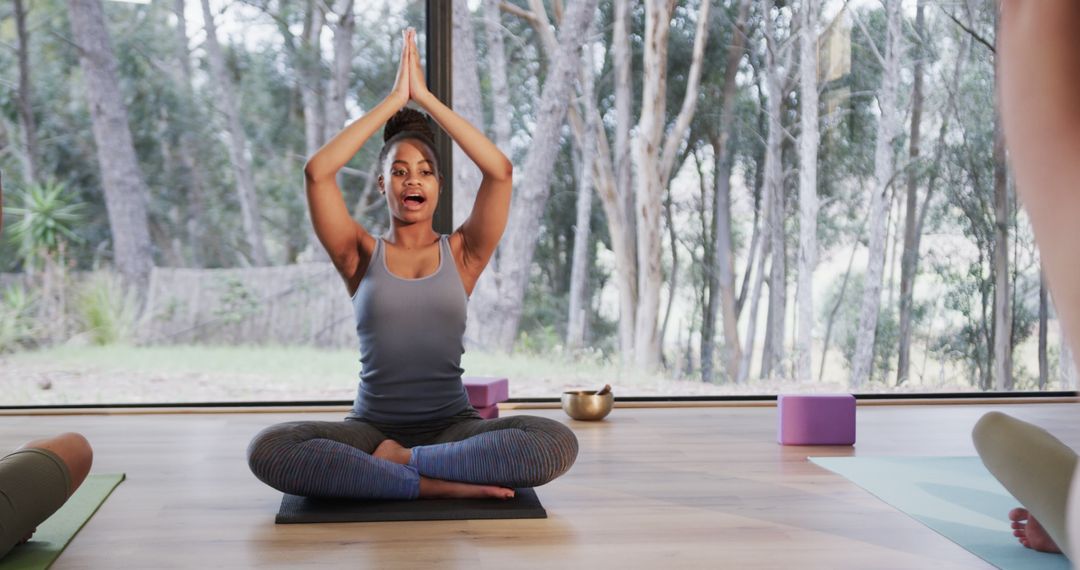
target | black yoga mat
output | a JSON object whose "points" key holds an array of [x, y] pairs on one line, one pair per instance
{"points": [[294, 509]]}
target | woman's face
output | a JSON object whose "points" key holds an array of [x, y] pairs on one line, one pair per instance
{"points": [[413, 189]]}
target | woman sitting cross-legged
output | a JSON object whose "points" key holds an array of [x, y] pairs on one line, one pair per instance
{"points": [[412, 432]]}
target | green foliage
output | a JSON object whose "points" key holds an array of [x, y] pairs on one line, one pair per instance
{"points": [[969, 298], [46, 217], [17, 323], [886, 336], [237, 302], [106, 309], [540, 340]]}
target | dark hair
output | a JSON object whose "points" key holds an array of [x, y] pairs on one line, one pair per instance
{"points": [[408, 124]]}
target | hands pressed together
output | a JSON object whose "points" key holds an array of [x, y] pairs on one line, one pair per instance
{"points": [[410, 84]]}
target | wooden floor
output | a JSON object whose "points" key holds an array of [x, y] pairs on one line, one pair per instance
{"points": [[652, 488]]}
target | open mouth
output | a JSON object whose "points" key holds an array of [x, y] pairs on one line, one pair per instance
{"points": [[414, 201]]}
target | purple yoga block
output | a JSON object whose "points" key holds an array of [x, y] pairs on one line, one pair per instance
{"points": [[816, 419], [486, 391], [489, 412]]}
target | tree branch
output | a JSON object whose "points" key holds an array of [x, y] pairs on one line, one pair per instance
{"points": [[519, 12], [689, 105], [869, 37], [975, 35]]}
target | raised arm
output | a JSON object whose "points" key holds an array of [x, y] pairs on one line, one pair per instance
{"points": [[1039, 51], [480, 233], [345, 240]]}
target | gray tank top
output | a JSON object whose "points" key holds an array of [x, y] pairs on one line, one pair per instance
{"points": [[411, 340]]}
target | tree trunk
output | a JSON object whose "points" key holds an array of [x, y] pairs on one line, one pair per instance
{"points": [[893, 242], [673, 280], [986, 372], [910, 259], [487, 299], [344, 29], [579, 271], [194, 172], [238, 152], [655, 152], [884, 167], [1044, 363], [615, 200], [307, 61], [308, 58], [649, 189], [467, 101], [25, 102], [773, 350], [752, 317], [496, 63], [530, 196], [721, 286], [908, 263], [751, 256], [808, 199], [623, 232], [721, 266], [836, 308], [1067, 365], [126, 194], [1003, 380]]}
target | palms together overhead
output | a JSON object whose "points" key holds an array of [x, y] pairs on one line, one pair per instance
{"points": [[410, 83]]}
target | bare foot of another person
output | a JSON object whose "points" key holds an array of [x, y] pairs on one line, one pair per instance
{"points": [[391, 450], [1030, 532], [439, 489]]}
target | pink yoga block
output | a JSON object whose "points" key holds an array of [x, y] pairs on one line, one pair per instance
{"points": [[489, 412], [486, 391], [816, 419]]}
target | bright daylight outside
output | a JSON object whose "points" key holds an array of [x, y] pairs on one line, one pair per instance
{"points": [[734, 197]]}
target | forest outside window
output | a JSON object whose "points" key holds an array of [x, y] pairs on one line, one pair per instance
{"points": [[816, 199], [820, 183]]}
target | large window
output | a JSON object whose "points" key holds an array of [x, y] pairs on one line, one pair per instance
{"points": [[814, 202], [708, 211], [157, 245]]}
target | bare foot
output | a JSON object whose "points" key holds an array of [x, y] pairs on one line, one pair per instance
{"points": [[439, 489], [391, 450], [1030, 532]]}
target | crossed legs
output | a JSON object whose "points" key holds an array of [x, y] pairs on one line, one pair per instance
{"points": [[473, 458]]}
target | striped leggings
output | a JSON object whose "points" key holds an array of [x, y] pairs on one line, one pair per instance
{"points": [[333, 459]]}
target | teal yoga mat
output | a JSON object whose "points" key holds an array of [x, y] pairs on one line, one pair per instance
{"points": [[53, 535], [955, 496]]}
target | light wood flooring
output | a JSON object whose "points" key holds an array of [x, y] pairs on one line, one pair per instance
{"points": [[652, 488]]}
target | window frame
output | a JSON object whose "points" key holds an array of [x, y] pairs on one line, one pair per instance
{"points": [[439, 70], [439, 30]]}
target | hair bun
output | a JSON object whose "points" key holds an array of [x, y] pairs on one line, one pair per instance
{"points": [[409, 121]]}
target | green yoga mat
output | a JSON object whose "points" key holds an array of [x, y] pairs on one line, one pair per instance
{"points": [[955, 496], [55, 533]]}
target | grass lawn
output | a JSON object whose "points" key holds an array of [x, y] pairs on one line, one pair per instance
{"points": [[121, 373], [157, 374]]}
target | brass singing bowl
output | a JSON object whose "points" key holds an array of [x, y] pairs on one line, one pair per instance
{"points": [[586, 405]]}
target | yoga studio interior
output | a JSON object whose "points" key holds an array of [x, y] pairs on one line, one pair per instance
{"points": [[538, 284]]}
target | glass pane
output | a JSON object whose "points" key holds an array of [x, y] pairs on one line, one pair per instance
{"points": [[172, 154], [678, 292]]}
